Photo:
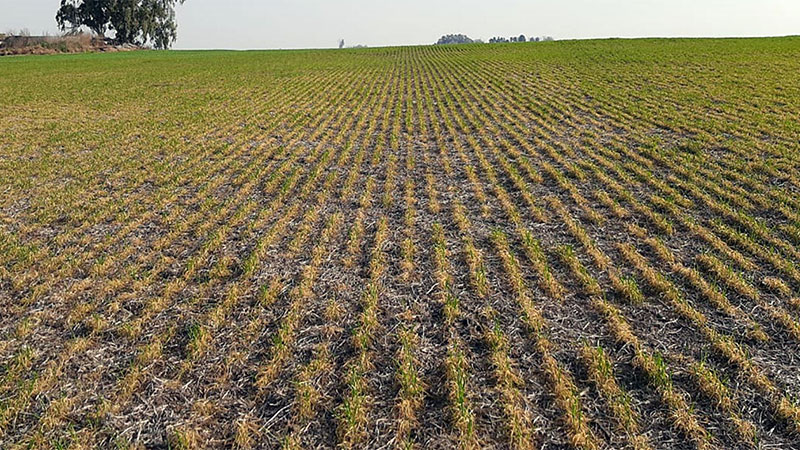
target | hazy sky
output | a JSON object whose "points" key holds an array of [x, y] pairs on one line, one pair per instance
{"points": [[320, 23]]}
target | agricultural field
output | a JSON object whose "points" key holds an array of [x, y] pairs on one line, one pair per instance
{"points": [[555, 245]]}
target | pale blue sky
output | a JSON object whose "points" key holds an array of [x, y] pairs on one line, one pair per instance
{"points": [[320, 23]]}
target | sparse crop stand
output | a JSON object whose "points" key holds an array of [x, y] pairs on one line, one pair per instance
{"points": [[567, 244]]}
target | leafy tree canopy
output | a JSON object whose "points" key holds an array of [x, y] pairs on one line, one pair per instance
{"points": [[132, 21], [454, 39]]}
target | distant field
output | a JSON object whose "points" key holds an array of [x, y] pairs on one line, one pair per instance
{"points": [[575, 244]]}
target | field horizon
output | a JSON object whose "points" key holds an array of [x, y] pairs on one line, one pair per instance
{"points": [[574, 244], [612, 39]]}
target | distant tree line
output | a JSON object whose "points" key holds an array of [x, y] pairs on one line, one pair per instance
{"points": [[342, 45], [454, 39], [520, 38], [464, 39]]}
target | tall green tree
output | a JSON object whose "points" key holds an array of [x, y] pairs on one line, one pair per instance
{"points": [[132, 21]]}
